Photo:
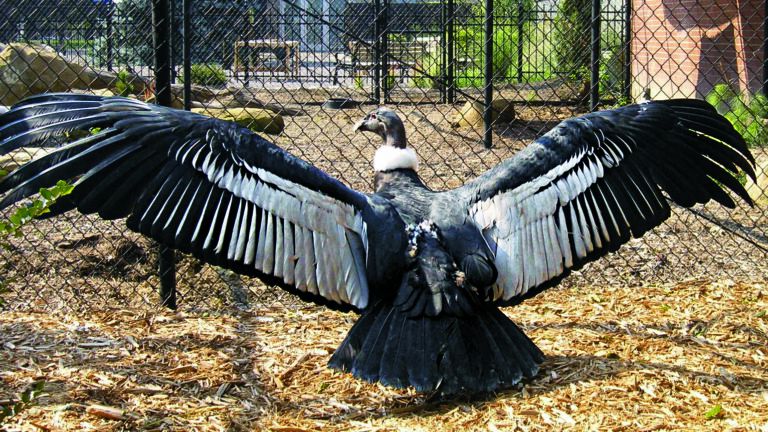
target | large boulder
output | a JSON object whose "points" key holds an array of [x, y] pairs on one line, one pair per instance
{"points": [[255, 119], [758, 191], [29, 69], [200, 95], [95, 92], [13, 160], [471, 114]]}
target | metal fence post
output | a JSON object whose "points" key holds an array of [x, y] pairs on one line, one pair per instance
{"points": [[443, 51], [110, 42], [765, 49], [594, 81], [628, 50], [171, 39], [186, 37], [488, 94], [166, 261], [520, 22], [385, 50], [377, 51], [451, 49]]}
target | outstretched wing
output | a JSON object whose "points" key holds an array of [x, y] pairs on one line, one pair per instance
{"points": [[582, 189], [199, 185]]}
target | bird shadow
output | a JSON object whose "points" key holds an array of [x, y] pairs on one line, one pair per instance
{"points": [[569, 371], [563, 371]]}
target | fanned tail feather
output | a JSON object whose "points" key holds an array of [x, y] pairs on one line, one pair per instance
{"points": [[469, 354]]}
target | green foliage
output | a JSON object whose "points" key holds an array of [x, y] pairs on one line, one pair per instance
{"points": [[209, 74], [359, 82], [430, 65], [38, 207], [124, 84], [22, 216], [470, 47], [572, 37], [612, 63], [26, 399], [747, 113], [714, 412], [720, 96]]}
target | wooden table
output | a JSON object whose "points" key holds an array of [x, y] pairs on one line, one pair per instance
{"points": [[288, 48]]}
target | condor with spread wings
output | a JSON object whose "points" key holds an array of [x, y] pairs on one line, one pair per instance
{"points": [[426, 270]]}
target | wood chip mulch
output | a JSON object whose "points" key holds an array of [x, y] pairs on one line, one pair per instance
{"points": [[686, 356]]}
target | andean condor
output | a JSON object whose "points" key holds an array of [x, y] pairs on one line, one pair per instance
{"points": [[426, 270]]}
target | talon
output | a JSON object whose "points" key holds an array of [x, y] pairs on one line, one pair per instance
{"points": [[460, 277]]}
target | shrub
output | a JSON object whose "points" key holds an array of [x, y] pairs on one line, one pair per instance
{"points": [[124, 85], [209, 74], [572, 37], [612, 63], [470, 44], [747, 113]]}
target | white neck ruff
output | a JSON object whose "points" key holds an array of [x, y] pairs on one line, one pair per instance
{"points": [[389, 158]]}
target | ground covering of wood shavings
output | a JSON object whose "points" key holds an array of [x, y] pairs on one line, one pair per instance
{"points": [[629, 358]]}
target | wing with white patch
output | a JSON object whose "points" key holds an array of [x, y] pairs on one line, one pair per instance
{"points": [[589, 184], [200, 185]]}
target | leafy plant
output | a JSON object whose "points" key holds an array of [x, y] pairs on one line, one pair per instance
{"points": [[22, 216], [747, 113], [26, 399], [359, 82], [210, 74], [714, 412], [124, 84], [38, 207]]}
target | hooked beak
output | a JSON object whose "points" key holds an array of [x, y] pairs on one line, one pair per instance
{"points": [[369, 123], [360, 125]]}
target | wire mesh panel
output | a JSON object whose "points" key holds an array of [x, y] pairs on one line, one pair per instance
{"points": [[302, 72]]}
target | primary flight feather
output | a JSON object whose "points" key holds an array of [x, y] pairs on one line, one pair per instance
{"points": [[426, 270]]}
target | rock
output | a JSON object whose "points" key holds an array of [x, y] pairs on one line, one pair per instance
{"points": [[471, 114], [29, 69], [96, 92], [758, 191], [200, 96], [255, 119], [235, 97], [11, 161]]}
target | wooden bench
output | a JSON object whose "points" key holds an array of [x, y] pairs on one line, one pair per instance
{"points": [[286, 52], [404, 56]]}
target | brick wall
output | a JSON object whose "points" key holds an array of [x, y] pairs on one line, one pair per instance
{"points": [[682, 48]]}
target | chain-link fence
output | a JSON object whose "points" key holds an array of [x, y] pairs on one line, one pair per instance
{"points": [[306, 70]]}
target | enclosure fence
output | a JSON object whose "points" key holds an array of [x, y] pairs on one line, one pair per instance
{"points": [[475, 81]]}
